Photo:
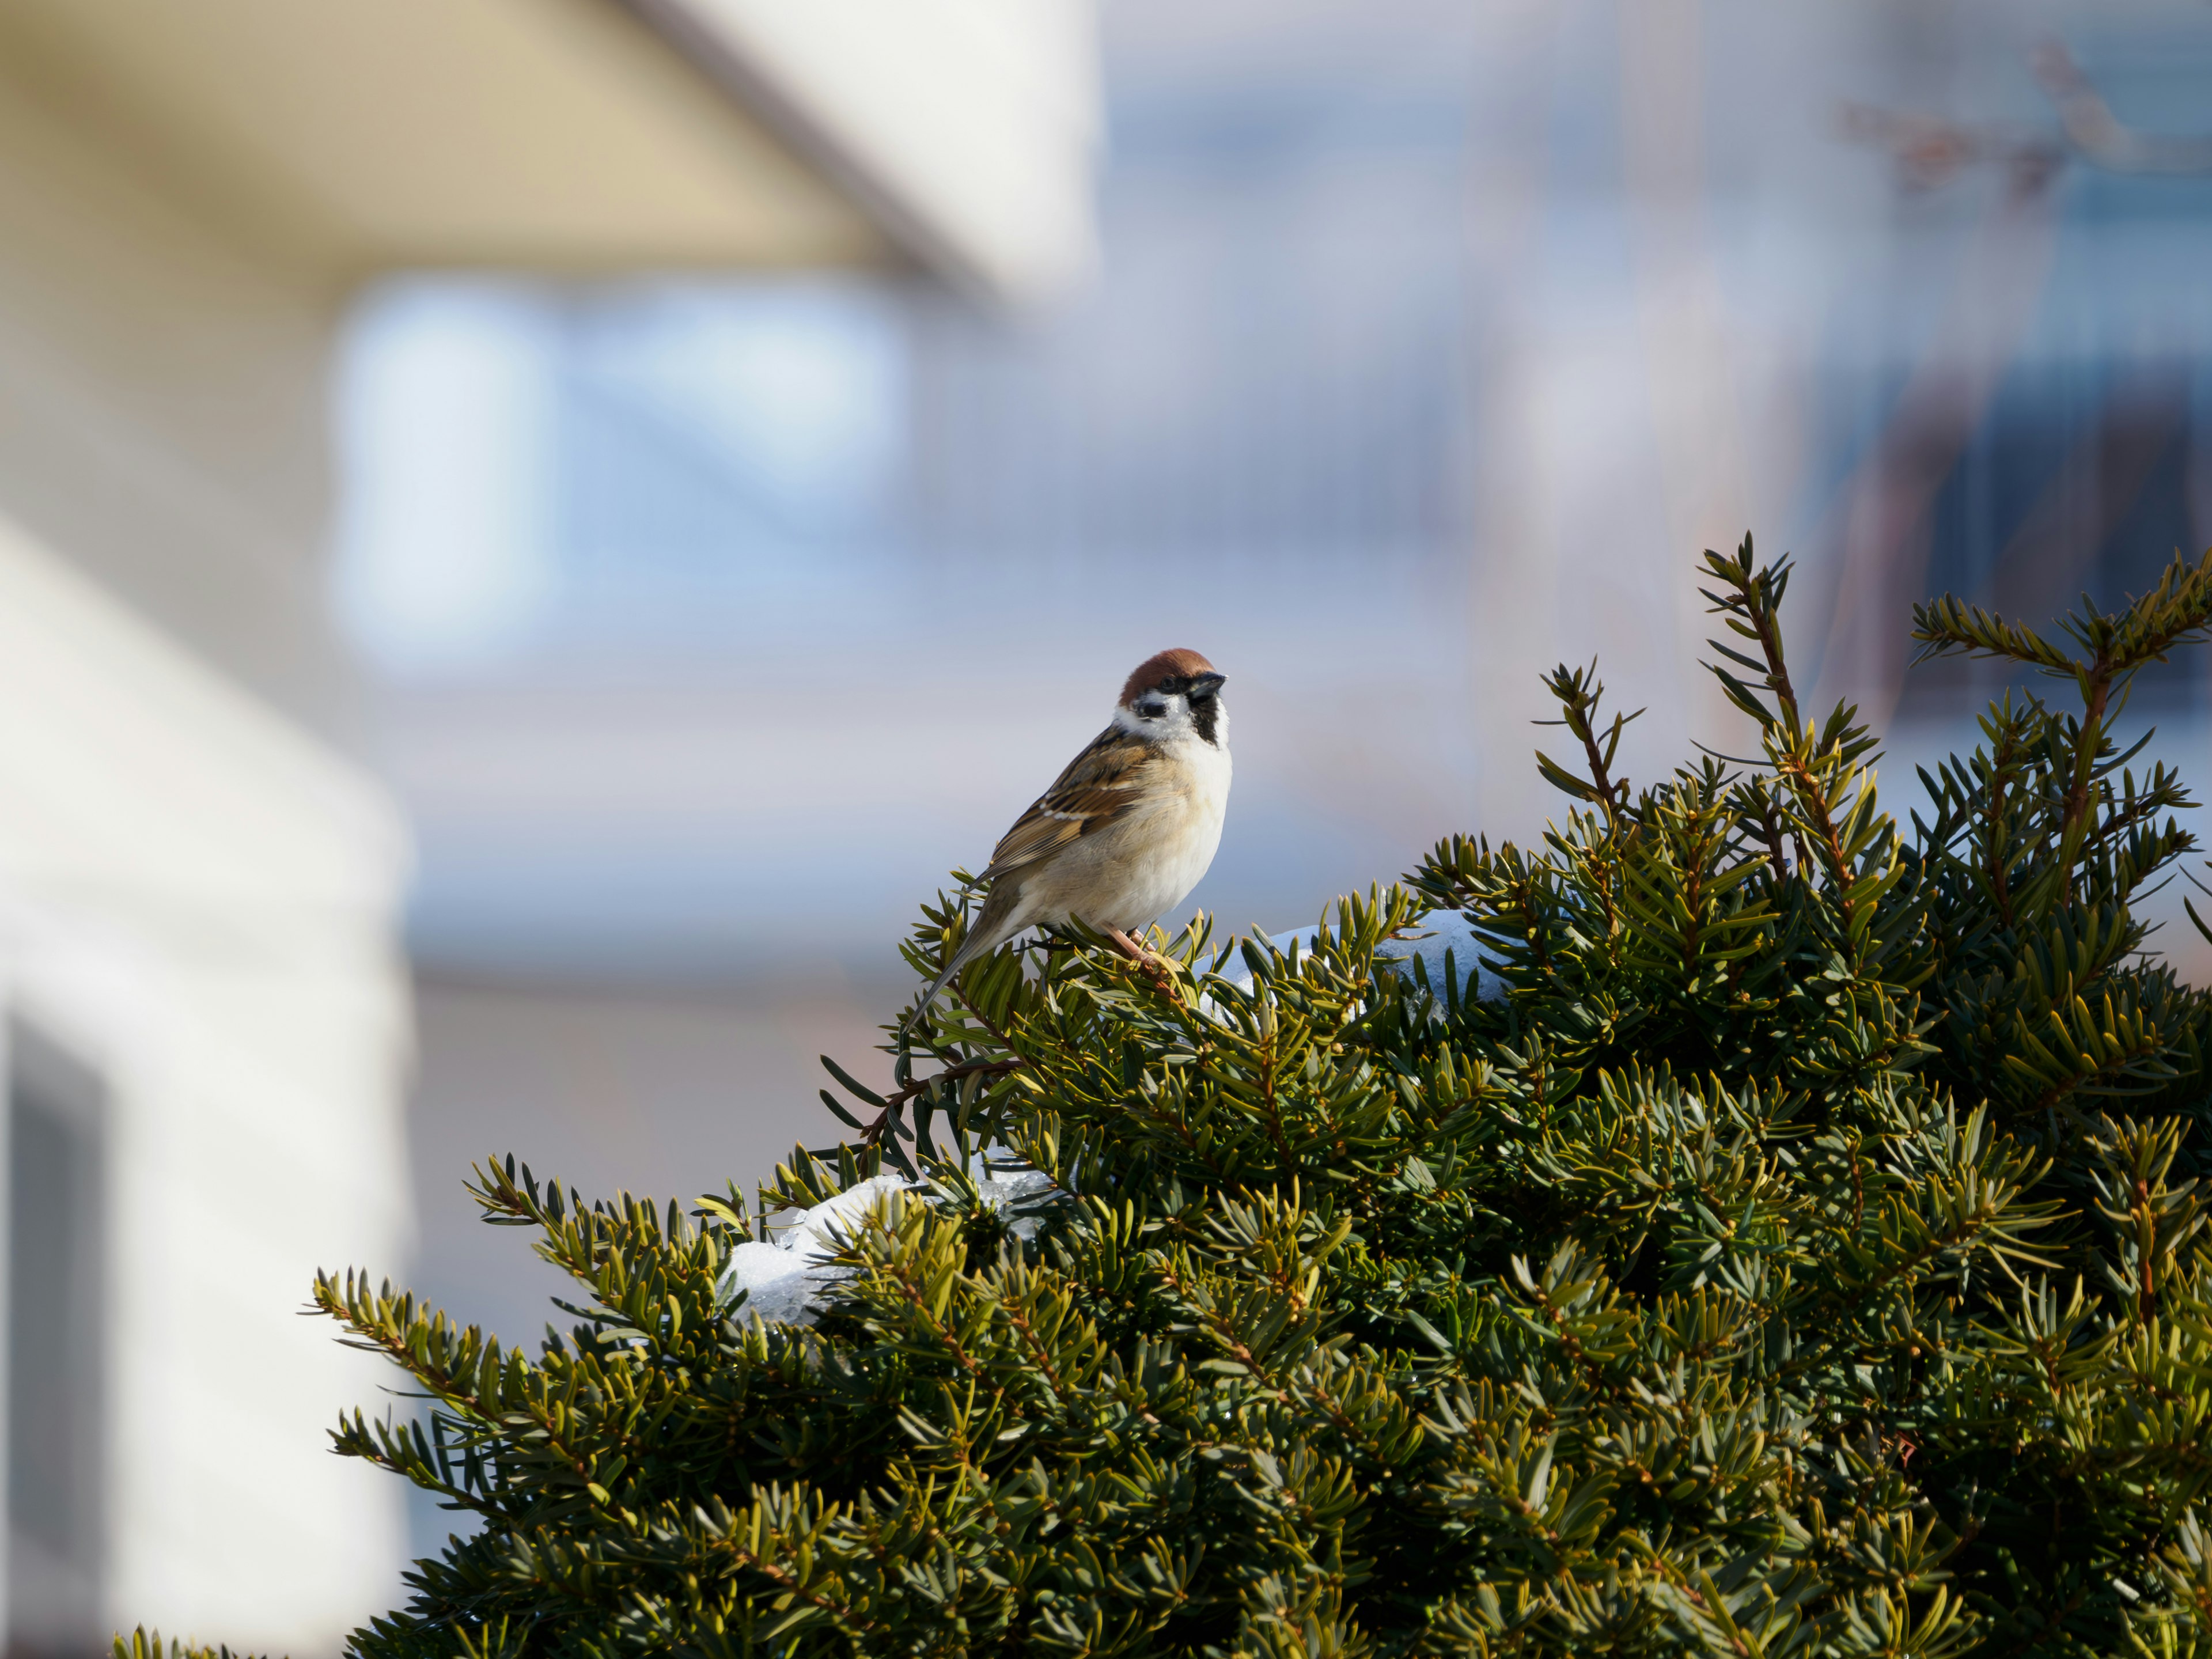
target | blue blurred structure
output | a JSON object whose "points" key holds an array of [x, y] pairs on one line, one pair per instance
{"points": [[781, 534], [1428, 348], [1430, 344]]}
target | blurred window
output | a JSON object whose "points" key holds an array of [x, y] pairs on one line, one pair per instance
{"points": [[527, 472], [55, 1312], [1274, 368], [703, 429], [443, 436]]}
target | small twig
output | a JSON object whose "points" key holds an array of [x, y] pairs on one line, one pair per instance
{"points": [[873, 1133], [1614, 795], [899, 1098]]}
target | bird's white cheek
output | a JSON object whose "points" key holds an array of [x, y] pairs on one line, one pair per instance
{"points": [[1210, 773]]}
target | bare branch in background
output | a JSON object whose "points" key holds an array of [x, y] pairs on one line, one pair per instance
{"points": [[2097, 135], [1930, 150]]}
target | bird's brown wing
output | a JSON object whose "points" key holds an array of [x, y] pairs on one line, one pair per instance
{"points": [[1117, 772]]}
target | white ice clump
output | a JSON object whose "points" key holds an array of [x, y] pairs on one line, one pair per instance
{"points": [[1445, 931], [783, 1280], [780, 1280]]}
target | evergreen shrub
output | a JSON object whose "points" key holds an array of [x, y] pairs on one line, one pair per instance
{"points": [[1805, 1254]]}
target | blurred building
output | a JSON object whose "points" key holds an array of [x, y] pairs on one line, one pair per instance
{"points": [[1429, 345], [749, 488], [208, 1036]]}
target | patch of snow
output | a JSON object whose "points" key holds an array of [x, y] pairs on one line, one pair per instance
{"points": [[1447, 934], [783, 1279]]}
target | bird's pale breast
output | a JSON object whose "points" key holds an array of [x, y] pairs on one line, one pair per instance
{"points": [[1126, 873]]}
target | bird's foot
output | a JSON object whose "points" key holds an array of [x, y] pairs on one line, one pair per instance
{"points": [[1129, 947], [1156, 968]]}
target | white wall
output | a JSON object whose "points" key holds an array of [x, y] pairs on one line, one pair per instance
{"points": [[195, 900], [198, 904], [163, 387], [971, 127]]}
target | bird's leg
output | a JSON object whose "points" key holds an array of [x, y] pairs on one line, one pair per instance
{"points": [[1155, 969], [1130, 948]]}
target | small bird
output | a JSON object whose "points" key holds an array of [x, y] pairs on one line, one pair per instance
{"points": [[1128, 828]]}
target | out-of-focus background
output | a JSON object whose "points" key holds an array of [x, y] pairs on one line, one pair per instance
{"points": [[533, 533]]}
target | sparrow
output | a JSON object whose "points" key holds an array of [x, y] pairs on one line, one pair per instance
{"points": [[1127, 829]]}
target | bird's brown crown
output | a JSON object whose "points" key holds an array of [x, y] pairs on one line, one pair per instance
{"points": [[1165, 665]]}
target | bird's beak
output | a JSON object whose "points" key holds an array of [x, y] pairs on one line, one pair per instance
{"points": [[1205, 685]]}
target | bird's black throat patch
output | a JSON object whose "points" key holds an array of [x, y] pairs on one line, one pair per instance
{"points": [[1205, 715]]}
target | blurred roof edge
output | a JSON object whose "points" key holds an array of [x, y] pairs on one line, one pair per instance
{"points": [[595, 135], [967, 128]]}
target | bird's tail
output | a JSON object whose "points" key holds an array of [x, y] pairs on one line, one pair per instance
{"points": [[989, 932], [960, 958]]}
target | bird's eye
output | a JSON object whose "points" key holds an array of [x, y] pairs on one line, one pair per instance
{"points": [[1151, 708]]}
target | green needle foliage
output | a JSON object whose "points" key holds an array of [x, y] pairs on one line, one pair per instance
{"points": [[1804, 1256]]}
